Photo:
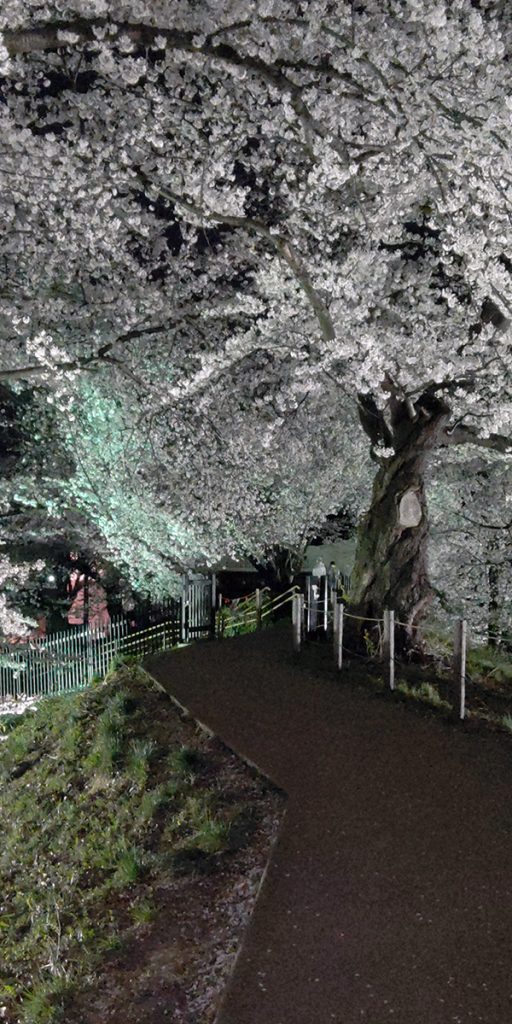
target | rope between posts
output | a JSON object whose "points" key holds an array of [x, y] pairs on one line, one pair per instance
{"points": [[365, 657], [361, 619], [346, 615]]}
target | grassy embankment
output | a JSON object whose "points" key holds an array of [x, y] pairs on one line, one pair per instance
{"points": [[105, 795]]}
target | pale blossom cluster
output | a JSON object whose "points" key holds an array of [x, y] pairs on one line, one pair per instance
{"points": [[233, 218], [12, 576]]}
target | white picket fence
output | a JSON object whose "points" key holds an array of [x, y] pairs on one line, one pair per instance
{"points": [[62, 662]]}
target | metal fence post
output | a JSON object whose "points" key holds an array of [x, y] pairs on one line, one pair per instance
{"points": [[459, 664], [324, 589], [213, 602]]}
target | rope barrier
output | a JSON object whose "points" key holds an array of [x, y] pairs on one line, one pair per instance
{"points": [[360, 618], [406, 624], [346, 615], [356, 654]]}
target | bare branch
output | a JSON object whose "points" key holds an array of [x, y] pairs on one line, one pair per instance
{"points": [[282, 245], [461, 434], [87, 362]]}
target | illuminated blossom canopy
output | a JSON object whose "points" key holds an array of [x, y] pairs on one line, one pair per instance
{"points": [[236, 214]]}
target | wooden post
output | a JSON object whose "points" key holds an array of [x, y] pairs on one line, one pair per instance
{"points": [[338, 611], [388, 644], [459, 665], [297, 614], [219, 614], [385, 635], [309, 600], [258, 608]]}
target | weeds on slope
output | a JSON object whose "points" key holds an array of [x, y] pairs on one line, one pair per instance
{"points": [[102, 795]]}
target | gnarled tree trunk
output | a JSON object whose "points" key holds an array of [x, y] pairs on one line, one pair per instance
{"points": [[279, 568], [391, 557]]}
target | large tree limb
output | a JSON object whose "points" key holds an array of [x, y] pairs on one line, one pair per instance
{"points": [[461, 434], [86, 362], [278, 241], [58, 34]]}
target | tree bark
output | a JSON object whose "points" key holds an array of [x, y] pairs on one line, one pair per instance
{"points": [[279, 568], [391, 569]]}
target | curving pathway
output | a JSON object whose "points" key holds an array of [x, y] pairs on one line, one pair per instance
{"points": [[388, 896]]}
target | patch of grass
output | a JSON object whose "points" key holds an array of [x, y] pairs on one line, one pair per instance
{"points": [[101, 797], [8, 723], [153, 800], [241, 827], [130, 867], [185, 761], [198, 826], [121, 660], [506, 721], [143, 912], [211, 837], [107, 748], [42, 1004], [439, 642], [139, 757], [426, 693], [490, 663]]}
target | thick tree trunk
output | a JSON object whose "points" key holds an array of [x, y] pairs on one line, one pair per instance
{"points": [[279, 568], [391, 558]]}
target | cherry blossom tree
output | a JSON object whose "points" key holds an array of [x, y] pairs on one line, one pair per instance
{"points": [[13, 577], [471, 540], [313, 192], [172, 492]]}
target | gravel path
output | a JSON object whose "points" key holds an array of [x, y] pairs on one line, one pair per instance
{"points": [[388, 896]]}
